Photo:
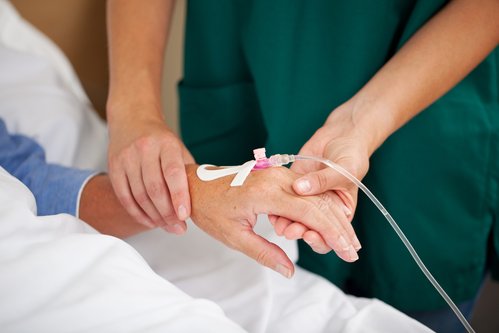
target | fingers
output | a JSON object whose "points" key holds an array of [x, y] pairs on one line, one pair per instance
{"points": [[280, 224], [322, 218], [187, 156], [319, 182], [155, 187], [265, 252], [139, 192], [273, 219], [173, 170], [338, 205], [125, 197], [175, 227], [322, 181], [295, 231], [332, 205], [315, 241], [138, 179]]}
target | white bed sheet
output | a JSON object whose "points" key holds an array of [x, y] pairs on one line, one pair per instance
{"points": [[59, 275]]}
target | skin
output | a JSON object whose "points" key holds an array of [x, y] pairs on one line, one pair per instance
{"points": [[146, 158], [229, 214], [434, 60]]}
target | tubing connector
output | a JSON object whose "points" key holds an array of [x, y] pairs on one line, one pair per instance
{"points": [[262, 162]]}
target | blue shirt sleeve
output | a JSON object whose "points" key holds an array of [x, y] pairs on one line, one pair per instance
{"points": [[56, 188]]}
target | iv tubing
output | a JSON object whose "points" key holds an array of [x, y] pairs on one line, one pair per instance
{"points": [[285, 159]]}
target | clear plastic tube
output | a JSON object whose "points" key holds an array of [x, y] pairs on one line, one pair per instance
{"points": [[284, 159]]}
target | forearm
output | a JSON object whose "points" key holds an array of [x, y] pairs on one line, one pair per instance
{"points": [[100, 208], [137, 33], [435, 59]]}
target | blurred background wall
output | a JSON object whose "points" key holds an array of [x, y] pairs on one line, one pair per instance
{"points": [[78, 27]]}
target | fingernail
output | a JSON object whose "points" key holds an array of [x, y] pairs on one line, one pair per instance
{"points": [[283, 270], [356, 243], [304, 186], [178, 229], [353, 254], [344, 244], [346, 210], [182, 213]]}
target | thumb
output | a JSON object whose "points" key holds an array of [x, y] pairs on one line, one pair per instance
{"points": [[319, 182], [265, 253]]}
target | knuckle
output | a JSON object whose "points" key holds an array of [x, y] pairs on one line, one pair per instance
{"points": [[172, 171], [155, 189], [115, 163], [169, 217], [262, 257], [324, 202], [157, 221], [127, 157], [141, 198], [170, 146], [278, 173], [308, 211], [290, 234], [266, 183], [322, 180], [143, 143]]}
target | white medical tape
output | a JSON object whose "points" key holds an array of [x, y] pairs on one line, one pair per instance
{"points": [[241, 171]]}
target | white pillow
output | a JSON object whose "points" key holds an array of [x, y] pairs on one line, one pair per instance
{"points": [[41, 97]]}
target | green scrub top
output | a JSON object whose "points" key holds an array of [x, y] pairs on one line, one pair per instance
{"points": [[267, 74]]}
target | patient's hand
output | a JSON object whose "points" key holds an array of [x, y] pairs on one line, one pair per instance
{"points": [[229, 215]]}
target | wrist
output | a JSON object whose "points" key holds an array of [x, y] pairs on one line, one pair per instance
{"points": [[135, 109], [99, 207], [370, 121], [141, 95]]}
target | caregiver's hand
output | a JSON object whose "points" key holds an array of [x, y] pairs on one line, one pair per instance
{"points": [[147, 171], [229, 215], [346, 144]]}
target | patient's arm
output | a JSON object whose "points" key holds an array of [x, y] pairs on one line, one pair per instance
{"points": [[100, 208], [229, 213]]}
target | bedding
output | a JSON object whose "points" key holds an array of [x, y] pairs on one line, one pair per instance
{"points": [[59, 275]]}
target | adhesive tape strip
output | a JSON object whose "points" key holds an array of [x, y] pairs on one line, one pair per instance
{"points": [[241, 171]]}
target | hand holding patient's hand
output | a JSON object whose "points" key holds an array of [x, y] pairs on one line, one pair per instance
{"points": [[147, 171], [229, 214], [342, 141]]}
